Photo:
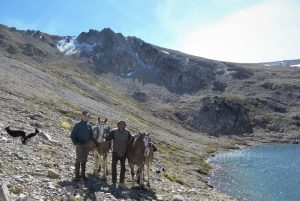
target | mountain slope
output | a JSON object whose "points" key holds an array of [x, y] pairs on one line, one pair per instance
{"points": [[191, 105]]}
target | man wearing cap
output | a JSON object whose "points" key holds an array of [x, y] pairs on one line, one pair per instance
{"points": [[82, 138], [121, 138]]}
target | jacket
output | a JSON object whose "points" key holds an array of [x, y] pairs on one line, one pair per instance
{"points": [[82, 133], [120, 141]]}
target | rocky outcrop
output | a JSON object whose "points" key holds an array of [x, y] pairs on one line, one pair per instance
{"points": [[238, 72], [219, 86], [31, 50], [296, 119], [140, 96], [217, 116], [134, 58], [272, 104], [260, 121]]}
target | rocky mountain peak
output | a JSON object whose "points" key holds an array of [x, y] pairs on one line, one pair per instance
{"points": [[133, 58], [99, 37]]}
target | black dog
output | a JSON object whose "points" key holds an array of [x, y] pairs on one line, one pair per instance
{"points": [[30, 135], [22, 134], [16, 133]]}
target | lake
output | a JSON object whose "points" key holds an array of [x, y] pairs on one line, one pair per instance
{"points": [[259, 173]]}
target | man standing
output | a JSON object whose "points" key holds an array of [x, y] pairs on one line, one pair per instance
{"points": [[121, 137], [82, 138]]}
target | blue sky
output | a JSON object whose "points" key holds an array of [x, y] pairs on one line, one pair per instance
{"points": [[231, 30]]}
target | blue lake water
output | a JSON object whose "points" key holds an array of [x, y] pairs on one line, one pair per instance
{"points": [[259, 173]]}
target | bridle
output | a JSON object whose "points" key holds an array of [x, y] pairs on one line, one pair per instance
{"points": [[147, 143], [103, 130]]}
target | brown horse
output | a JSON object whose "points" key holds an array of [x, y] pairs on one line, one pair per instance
{"points": [[140, 152], [102, 147]]}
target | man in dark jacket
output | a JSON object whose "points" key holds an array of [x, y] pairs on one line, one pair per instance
{"points": [[82, 138], [121, 137]]}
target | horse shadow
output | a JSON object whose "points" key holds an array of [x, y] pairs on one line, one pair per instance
{"points": [[93, 187]]}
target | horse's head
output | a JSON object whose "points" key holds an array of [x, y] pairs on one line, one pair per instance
{"points": [[103, 129], [147, 141]]}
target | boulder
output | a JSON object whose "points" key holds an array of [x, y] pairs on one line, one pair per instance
{"points": [[53, 174], [4, 193], [45, 136], [179, 198]]}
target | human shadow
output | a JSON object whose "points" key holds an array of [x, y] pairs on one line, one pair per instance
{"points": [[94, 186]]}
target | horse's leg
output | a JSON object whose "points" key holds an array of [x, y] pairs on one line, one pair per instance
{"points": [[150, 162], [97, 160], [148, 174], [139, 175], [131, 165], [142, 175], [99, 163], [104, 165]]}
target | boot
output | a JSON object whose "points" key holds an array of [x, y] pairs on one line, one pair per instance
{"points": [[77, 167], [83, 164]]}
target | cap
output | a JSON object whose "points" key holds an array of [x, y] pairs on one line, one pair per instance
{"points": [[119, 122], [85, 113]]}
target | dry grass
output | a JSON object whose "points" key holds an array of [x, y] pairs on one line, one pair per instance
{"points": [[202, 166], [174, 178], [64, 124], [209, 149]]}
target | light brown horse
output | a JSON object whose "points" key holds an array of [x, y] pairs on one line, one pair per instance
{"points": [[102, 147], [140, 152]]}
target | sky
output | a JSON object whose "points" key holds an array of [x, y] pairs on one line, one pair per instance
{"points": [[228, 30]]}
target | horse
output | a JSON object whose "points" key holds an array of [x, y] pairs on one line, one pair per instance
{"points": [[140, 152], [102, 147]]}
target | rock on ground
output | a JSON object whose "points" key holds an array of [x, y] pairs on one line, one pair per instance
{"points": [[4, 193]]}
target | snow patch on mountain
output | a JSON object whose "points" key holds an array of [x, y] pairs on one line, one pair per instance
{"points": [[296, 65], [68, 45], [165, 52]]}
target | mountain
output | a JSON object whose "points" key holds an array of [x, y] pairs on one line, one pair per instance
{"points": [[192, 106], [244, 88]]}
